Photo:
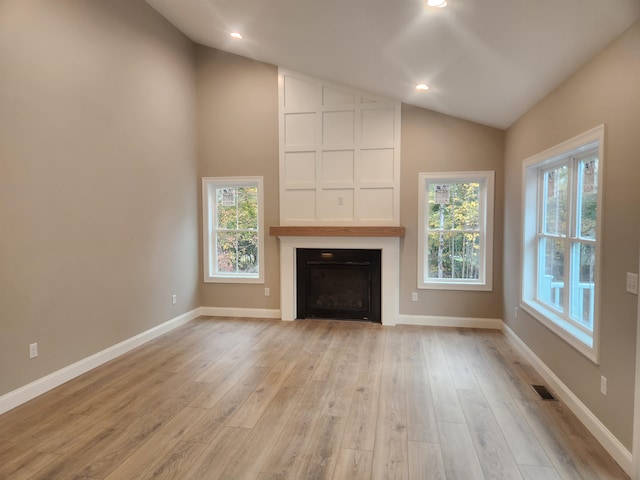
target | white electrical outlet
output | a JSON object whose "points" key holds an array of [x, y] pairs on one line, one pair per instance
{"points": [[33, 350], [414, 296], [603, 385], [632, 283], [174, 299], [515, 312], [267, 292]]}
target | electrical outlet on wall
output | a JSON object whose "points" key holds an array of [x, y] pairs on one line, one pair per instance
{"points": [[33, 350], [267, 291], [174, 299], [603, 385], [414, 297]]}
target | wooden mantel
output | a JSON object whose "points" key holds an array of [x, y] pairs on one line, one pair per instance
{"points": [[336, 231]]}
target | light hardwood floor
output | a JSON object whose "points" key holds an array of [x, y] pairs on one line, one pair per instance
{"points": [[235, 399]]}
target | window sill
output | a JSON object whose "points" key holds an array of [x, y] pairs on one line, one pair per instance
{"points": [[248, 280], [455, 286], [563, 329]]}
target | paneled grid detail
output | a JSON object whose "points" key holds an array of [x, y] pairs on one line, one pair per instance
{"points": [[339, 154]]}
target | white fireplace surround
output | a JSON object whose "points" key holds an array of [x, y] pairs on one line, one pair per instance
{"points": [[390, 247]]}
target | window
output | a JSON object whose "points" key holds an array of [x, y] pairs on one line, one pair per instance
{"points": [[232, 225], [456, 230], [561, 232]]}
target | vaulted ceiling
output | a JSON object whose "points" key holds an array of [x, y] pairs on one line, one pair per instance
{"points": [[488, 61]]}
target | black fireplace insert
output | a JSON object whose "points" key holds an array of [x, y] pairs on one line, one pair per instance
{"points": [[339, 284]]}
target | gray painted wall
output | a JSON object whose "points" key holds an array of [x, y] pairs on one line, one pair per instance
{"points": [[98, 180], [604, 91], [238, 136], [433, 142]]}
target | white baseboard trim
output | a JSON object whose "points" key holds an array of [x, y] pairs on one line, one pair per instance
{"points": [[611, 444], [240, 312], [51, 381], [437, 321]]}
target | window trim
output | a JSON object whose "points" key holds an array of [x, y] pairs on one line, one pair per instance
{"points": [[586, 344], [209, 183], [487, 181]]}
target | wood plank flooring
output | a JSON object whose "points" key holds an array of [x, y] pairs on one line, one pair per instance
{"points": [[223, 398]]}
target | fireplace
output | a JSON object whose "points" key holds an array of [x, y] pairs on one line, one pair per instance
{"points": [[338, 283], [294, 238]]}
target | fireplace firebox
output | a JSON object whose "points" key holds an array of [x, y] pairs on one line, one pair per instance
{"points": [[338, 284]]}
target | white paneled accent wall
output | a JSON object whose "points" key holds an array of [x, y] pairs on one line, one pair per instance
{"points": [[339, 154]]}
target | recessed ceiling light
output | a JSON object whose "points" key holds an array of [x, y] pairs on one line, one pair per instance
{"points": [[423, 87], [236, 35], [437, 3]]}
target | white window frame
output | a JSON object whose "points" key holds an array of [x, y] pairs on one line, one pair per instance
{"points": [[209, 186], [567, 152], [486, 179]]}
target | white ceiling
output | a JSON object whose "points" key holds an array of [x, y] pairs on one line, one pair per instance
{"points": [[488, 61]]}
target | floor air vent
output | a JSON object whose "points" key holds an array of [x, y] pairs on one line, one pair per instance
{"points": [[542, 392]]}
